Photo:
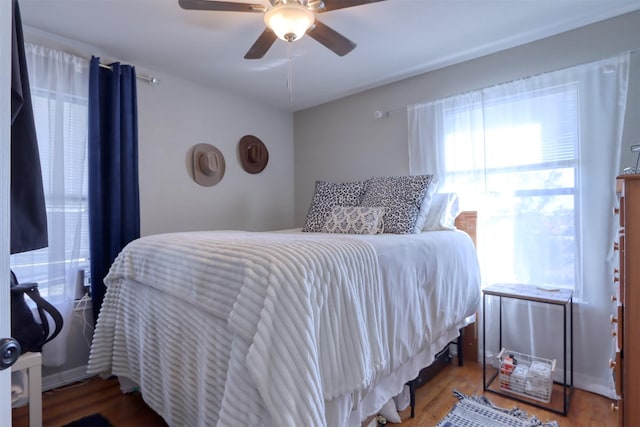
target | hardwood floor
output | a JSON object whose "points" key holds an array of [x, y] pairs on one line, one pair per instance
{"points": [[433, 401], [61, 406]]}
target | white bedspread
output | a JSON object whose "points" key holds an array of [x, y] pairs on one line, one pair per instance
{"points": [[282, 329]]}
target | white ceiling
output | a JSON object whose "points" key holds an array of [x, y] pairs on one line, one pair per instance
{"points": [[396, 39]]}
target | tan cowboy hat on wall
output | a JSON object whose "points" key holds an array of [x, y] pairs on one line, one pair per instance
{"points": [[254, 155], [208, 165]]}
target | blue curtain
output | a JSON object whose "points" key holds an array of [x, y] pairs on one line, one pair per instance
{"points": [[114, 203]]}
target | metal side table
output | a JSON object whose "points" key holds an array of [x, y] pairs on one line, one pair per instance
{"points": [[557, 297]]}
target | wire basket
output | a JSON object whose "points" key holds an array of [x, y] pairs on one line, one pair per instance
{"points": [[525, 375]]}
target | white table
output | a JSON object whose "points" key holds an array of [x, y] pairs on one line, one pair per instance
{"points": [[32, 362]]}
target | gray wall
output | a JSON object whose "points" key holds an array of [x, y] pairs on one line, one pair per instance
{"points": [[178, 114], [342, 140], [631, 133]]}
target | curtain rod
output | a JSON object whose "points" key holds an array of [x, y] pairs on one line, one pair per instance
{"points": [[151, 80], [378, 114]]}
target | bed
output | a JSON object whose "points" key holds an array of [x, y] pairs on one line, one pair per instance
{"points": [[281, 328], [318, 326]]}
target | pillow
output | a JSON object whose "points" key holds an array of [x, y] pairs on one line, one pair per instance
{"points": [[424, 207], [354, 220], [442, 213], [401, 196], [326, 196]]}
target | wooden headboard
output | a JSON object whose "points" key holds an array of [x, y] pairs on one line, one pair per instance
{"points": [[466, 222]]}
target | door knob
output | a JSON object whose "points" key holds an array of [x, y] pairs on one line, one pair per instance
{"points": [[9, 352]]}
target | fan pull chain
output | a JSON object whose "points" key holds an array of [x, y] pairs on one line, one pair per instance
{"points": [[290, 72]]}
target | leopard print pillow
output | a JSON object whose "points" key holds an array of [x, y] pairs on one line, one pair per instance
{"points": [[330, 194], [401, 196]]}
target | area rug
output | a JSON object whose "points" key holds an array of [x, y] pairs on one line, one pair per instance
{"points": [[478, 411], [95, 420]]}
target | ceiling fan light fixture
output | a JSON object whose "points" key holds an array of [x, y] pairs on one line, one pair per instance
{"points": [[289, 21]]}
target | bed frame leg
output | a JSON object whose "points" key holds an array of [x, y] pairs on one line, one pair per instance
{"points": [[412, 397], [460, 348], [412, 383]]}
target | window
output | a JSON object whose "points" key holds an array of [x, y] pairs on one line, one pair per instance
{"points": [[59, 87], [537, 158], [527, 151]]}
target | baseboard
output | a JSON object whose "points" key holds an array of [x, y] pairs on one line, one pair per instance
{"points": [[63, 378]]}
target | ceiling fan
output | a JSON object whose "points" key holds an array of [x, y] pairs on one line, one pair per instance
{"points": [[288, 20]]}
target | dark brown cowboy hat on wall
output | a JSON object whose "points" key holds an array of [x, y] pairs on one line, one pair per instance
{"points": [[208, 165], [254, 155]]}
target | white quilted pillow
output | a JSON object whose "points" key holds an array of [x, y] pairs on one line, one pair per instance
{"points": [[355, 220]]}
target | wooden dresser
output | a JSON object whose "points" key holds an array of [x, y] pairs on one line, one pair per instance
{"points": [[626, 323]]}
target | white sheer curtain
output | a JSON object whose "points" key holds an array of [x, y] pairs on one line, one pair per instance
{"points": [[59, 88], [538, 158]]}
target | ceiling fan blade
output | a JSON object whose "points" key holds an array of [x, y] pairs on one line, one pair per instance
{"points": [[333, 40], [225, 6], [261, 45], [342, 4]]}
